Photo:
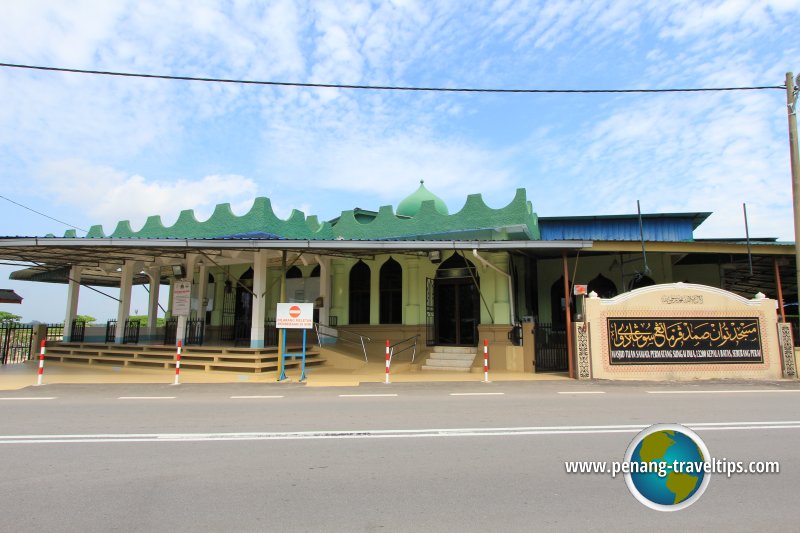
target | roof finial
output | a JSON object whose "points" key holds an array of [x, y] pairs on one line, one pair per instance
{"points": [[422, 182]]}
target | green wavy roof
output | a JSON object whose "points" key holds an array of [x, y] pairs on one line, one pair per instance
{"points": [[475, 220]]}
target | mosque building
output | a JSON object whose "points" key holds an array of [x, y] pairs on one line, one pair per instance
{"points": [[592, 296]]}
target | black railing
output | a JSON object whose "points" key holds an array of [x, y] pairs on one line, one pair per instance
{"points": [[15, 342], [270, 333], [794, 320], [171, 331], [131, 332], [194, 332], [55, 332], [77, 331], [551, 348], [111, 331], [241, 333]]}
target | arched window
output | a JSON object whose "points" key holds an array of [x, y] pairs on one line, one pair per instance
{"points": [[359, 293], [294, 272], [640, 280], [604, 287], [391, 293], [315, 272]]}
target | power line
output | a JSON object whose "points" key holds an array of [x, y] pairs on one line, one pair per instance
{"points": [[39, 213], [386, 87]]}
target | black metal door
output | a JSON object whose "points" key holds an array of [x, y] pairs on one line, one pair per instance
{"points": [[551, 348], [244, 317], [457, 308]]}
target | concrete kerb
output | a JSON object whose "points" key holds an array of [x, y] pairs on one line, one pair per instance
{"points": [[22, 375]]}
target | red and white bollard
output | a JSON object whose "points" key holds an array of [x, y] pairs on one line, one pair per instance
{"points": [[178, 364], [485, 361], [42, 351], [388, 361]]}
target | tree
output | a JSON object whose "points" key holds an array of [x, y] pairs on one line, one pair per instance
{"points": [[89, 319], [142, 320], [5, 316]]}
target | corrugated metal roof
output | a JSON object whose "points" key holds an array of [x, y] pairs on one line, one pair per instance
{"points": [[672, 227]]}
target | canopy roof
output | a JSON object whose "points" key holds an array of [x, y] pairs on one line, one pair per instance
{"points": [[8, 296]]}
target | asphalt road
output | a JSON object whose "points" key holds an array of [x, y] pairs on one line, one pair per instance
{"points": [[402, 457]]}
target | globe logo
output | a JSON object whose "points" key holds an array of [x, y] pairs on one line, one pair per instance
{"points": [[667, 467]]}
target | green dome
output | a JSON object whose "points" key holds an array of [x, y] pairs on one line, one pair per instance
{"points": [[410, 206]]}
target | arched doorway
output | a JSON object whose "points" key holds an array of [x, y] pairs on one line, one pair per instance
{"points": [[391, 293], [456, 303], [244, 308], [360, 283]]}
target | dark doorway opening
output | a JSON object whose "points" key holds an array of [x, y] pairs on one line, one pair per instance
{"points": [[456, 303]]}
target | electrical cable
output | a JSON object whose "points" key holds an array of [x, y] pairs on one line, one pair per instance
{"points": [[384, 87], [39, 213]]}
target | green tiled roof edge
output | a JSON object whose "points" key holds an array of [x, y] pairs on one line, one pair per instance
{"points": [[386, 225]]}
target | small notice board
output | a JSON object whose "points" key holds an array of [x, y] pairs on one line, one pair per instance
{"points": [[181, 298], [294, 316]]}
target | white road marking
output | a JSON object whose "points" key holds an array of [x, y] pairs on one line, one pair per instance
{"points": [[746, 391], [146, 398], [477, 393], [582, 392], [366, 395], [29, 398], [372, 434], [253, 397]]}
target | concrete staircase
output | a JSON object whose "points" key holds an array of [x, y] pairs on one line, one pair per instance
{"points": [[451, 358]]}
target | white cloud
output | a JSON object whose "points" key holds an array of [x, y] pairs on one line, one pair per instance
{"points": [[109, 195]]}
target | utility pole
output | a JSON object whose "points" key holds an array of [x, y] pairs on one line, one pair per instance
{"points": [[791, 103]]}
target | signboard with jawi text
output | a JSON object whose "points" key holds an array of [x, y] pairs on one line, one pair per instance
{"points": [[684, 340]]}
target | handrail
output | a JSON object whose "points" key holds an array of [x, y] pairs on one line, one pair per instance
{"points": [[409, 347], [335, 333]]}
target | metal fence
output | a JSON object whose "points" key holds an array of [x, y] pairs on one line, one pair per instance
{"points": [[15, 342], [195, 329], [551, 348], [111, 331], [77, 330], [131, 335], [55, 332]]}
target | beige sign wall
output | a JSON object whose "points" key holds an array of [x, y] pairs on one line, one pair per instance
{"points": [[683, 331]]}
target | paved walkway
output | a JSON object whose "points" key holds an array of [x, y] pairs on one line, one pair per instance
{"points": [[23, 375]]}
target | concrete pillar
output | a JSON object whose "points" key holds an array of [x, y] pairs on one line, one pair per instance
{"points": [[154, 273], [124, 309], [259, 299], [339, 292], [325, 288], [412, 292], [374, 291], [501, 309], [73, 290], [202, 286]]}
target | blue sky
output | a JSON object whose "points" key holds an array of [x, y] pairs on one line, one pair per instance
{"points": [[95, 150]]}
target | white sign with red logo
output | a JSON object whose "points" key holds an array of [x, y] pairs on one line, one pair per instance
{"points": [[295, 316], [181, 298], [580, 290]]}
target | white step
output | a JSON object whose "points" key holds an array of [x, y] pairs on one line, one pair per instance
{"points": [[455, 356], [447, 368], [454, 349], [449, 363]]}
